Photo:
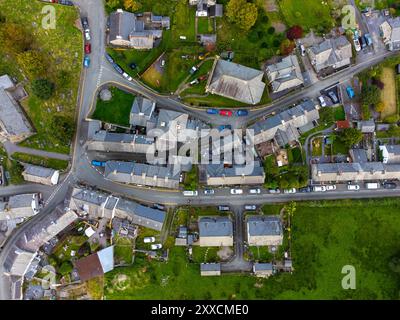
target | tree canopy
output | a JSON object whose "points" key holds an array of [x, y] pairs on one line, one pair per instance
{"points": [[42, 88], [350, 136]]}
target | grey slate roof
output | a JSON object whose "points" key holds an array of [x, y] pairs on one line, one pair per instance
{"points": [[39, 171], [141, 111], [215, 227], [285, 74], [367, 126], [218, 170], [264, 226], [210, 267], [235, 81], [141, 211], [262, 267]]}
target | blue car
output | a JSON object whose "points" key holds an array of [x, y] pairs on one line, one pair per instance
{"points": [[96, 163], [212, 111], [86, 62], [118, 68], [109, 59], [242, 113], [224, 126], [350, 92]]}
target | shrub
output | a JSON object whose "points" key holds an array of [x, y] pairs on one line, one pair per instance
{"points": [[42, 88]]}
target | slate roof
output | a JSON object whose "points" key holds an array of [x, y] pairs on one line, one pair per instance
{"points": [[39, 171], [215, 227], [219, 170], [257, 267], [141, 111], [210, 267], [235, 81], [285, 74]]}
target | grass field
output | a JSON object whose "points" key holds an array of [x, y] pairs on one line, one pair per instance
{"points": [[325, 237], [310, 14], [205, 25], [116, 110], [62, 48], [41, 161], [388, 94]]}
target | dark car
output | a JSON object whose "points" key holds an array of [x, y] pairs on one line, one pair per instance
{"points": [[158, 206], [66, 2], [85, 23], [133, 66], [305, 189], [242, 113], [224, 126], [109, 59], [389, 185], [362, 42], [118, 68], [333, 97]]}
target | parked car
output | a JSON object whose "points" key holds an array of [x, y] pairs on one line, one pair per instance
{"points": [[189, 193], [302, 50], [362, 42], [222, 127], [319, 188], [149, 239], [251, 207], [350, 92], [195, 81], [203, 77], [109, 58], [87, 35], [85, 23], [291, 190], [193, 70], [209, 191], [357, 45], [389, 185], [353, 187], [372, 185], [331, 187], [212, 111], [86, 62], [162, 63], [158, 206], [333, 97], [242, 113], [118, 68], [66, 2], [236, 191], [156, 246], [274, 191], [127, 76], [368, 39], [255, 191], [322, 101], [223, 208], [96, 163], [305, 189], [226, 113], [133, 66], [88, 48]]}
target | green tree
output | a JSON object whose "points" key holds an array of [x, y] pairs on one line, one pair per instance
{"points": [[350, 136], [242, 13], [15, 38], [62, 128], [132, 5], [371, 95], [42, 88]]}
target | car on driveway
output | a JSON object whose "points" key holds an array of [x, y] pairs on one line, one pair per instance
{"points": [[291, 190], [193, 70], [350, 92], [195, 81], [255, 191], [212, 111], [357, 45], [209, 191], [389, 185], [149, 239], [236, 191], [88, 48], [242, 113], [368, 39], [225, 113], [156, 246], [86, 62], [133, 66]]}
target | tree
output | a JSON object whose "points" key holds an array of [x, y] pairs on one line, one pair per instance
{"points": [[62, 127], [295, 32], [242, 13], [15, 37], [290, 208], [42, 88], [380, 106], [287, 47], [371, 95], [350, 136], [132, 5]]}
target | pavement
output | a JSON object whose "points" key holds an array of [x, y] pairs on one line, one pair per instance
{"points": [[101, 73]]}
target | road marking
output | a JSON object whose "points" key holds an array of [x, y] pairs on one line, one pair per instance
{"points": [[99, 76], [57, 189]]}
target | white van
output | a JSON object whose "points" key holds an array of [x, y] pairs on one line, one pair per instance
{"points": [[236, 191], [319, 188], [188, 193], [353, 187], [372, 185]]}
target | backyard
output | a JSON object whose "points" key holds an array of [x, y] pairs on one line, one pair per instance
{"points": [[116, 110], [61, 51], [388, 93], [326, 236]]}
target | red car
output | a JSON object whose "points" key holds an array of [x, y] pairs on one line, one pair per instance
{"points": [[226, 113], [88, 48]]}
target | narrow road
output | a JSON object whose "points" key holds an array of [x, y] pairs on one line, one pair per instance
{"points": [[12, 148]]}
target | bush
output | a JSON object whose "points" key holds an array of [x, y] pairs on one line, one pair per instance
{"points": [[295, 32], [65, 268], [42, 88]]}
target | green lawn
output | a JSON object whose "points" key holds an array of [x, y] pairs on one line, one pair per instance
{"points": [[205, 254], [260, 254], [123, 253], [62, 48], [205, 25], [325, 237], [13, 167], [310, 14], [116, 110], [41, 161]]}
